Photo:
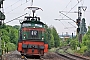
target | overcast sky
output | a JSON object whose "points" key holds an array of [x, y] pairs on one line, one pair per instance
{"points": [[51, 8]]}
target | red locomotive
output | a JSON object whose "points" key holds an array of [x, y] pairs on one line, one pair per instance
{"points": [[32, 36]]}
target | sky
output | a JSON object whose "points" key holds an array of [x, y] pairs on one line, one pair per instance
{"points": [[15, 8]]}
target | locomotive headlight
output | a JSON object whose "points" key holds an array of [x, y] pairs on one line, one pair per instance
{"points": [[42, 38], [33, 27], [24, 36]]}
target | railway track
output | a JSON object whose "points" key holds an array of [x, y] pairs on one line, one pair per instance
{"points": [[15, 55], [69, 55]]}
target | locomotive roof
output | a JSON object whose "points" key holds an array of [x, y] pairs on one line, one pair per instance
{"points": [[29, 21]]}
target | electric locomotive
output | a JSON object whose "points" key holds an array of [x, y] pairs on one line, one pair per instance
{"points": [[32, 36]]}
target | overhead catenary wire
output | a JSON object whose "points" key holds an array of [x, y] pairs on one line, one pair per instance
{"points": [[67, 17], [66, 9], [72, 25], [63, 24], [12, 4], [68, 4], [21, 15], [17, 7], [72, 8], [16, 18]]}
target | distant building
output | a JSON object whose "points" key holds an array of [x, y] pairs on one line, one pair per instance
{"points": [[64, 37]]}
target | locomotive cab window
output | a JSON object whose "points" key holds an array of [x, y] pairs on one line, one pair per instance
{"points": [[26, 25], [32, 25], [38, 25]]}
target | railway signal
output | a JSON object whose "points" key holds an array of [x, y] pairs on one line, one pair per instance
{"points": [[78, 30], [84, 29], [1, 3], [78, 22]]}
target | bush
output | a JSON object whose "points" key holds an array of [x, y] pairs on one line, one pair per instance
{"points": [[10, 46], [74, 44], [82, 50]]}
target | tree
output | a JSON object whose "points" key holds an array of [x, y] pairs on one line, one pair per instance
{"points": [[9, 34], [13, 35], [74, 44], [51, 38], [17, 27], [56, 37]]}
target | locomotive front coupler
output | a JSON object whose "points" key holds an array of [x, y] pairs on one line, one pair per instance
{"points": [[33, 48]]}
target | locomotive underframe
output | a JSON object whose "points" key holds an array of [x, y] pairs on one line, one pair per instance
{"points": [[31, 48]]}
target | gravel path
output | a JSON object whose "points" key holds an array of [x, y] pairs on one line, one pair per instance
{"points": [[15, 55]]}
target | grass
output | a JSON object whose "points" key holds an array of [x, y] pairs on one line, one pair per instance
{"points": [[52, 49], [70, 51]]}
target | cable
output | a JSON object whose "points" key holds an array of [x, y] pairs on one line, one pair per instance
{"points": [[63, 24], [17, 7], [73, 8], [16, 18], [67, 17], [72, 25], [12, 4], [68, 3]]}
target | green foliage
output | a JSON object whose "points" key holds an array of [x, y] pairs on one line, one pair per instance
{"points": [[9, 37], [88, 45], [82, 50], [74, 44], [5, 38], [52, 40], [17, 27], [86, 40], [11, 46], [56, 37], [52, 49], [52, 37], [84, 46], [13, 36], [61, 43]]}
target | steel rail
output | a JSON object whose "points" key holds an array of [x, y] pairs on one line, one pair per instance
{"points": [[69, 55]]}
